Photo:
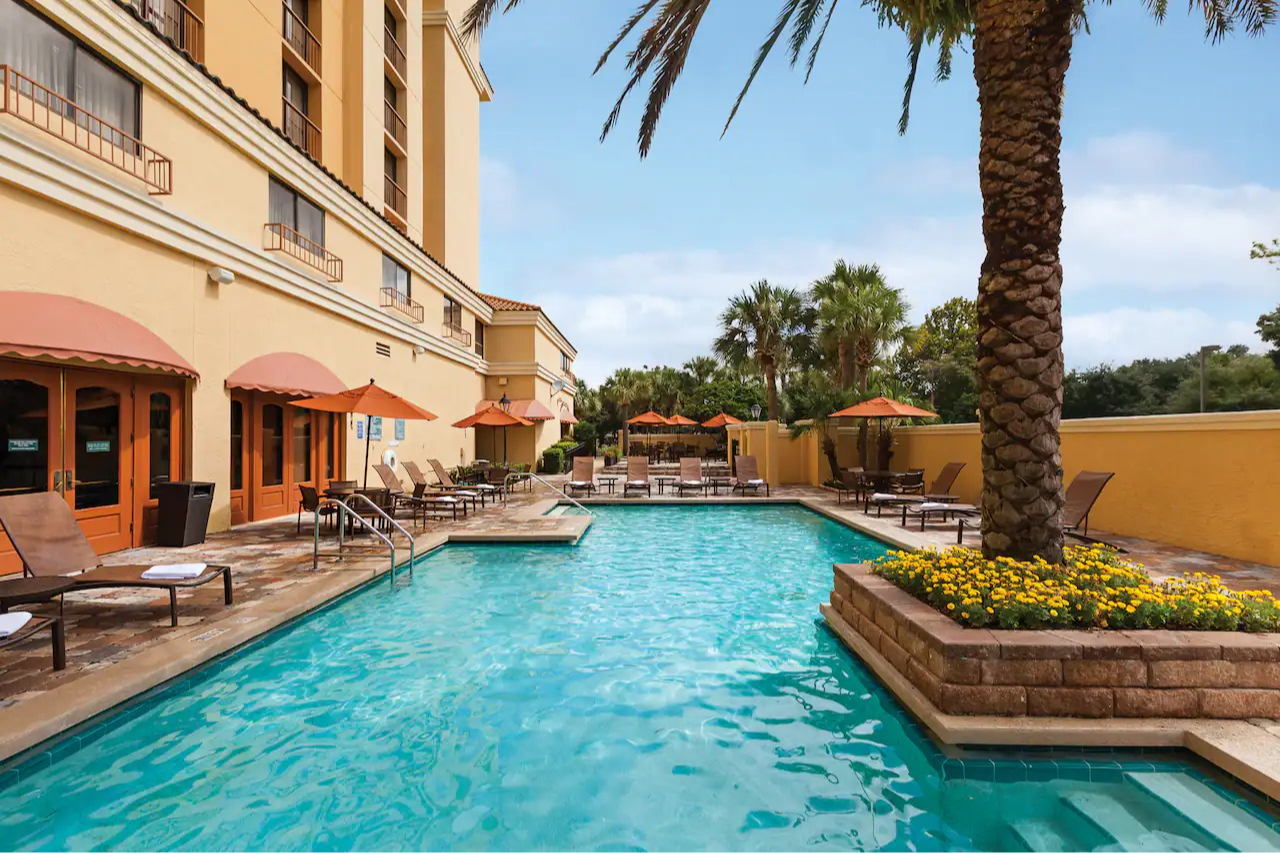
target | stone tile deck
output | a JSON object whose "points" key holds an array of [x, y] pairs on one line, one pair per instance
{"points": [[119, 642]]}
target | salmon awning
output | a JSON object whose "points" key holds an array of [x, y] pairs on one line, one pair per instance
{"points": [[286, 373], [567, 417], [530, 410], [46, 324]]}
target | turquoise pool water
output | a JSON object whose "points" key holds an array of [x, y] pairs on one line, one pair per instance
{"points": [[665, 684]]}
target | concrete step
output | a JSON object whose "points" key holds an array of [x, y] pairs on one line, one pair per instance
{"points": [[1040, 836], [1213, 814], [1110, 817]]}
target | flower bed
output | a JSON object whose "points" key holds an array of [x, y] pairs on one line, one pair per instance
{"points": [[1094, 588]]}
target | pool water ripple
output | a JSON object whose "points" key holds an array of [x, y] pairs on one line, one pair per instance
{"points": [[665, 684]]}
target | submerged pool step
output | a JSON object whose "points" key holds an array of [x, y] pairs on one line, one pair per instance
{"points": [[1110, 817], [1208, 810], [1040, 836]]}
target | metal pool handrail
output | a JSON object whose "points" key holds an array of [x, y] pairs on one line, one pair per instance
{"points": [[345, 512], [529, 475]]}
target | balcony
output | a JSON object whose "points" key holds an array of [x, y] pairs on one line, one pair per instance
{"points": [[569, 377], [42, 108], [396, 201], [457, 334], [392, 298], [282, 238], [301, 131], [399, 7], [394, 54], [397, 130], [301, 39], [175, 21]]}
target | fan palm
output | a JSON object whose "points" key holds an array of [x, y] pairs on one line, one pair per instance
{"points": [[859, 317], [758, 328], [1021, 51], [625, 388]]}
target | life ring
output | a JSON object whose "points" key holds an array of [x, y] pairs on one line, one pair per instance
{"points": [[389, 459]]}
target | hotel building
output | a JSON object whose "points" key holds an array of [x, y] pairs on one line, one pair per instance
{"points": [[212, 208]]}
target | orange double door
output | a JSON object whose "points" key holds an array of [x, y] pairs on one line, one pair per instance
{"points": [[276, 447], [103, 439]]}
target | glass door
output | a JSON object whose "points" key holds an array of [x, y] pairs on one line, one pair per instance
{"points": [[98, 457], [30, 437], [270, 460]]}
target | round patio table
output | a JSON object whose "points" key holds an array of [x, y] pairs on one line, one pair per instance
{"points": [[32, 591], [662, 480]]}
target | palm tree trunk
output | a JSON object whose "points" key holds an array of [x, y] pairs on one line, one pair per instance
{"points": [[626, 432], [771, 388], [845, 357], [1022, 49]]}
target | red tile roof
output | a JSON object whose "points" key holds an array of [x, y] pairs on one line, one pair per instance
{"points": [[497, 303]]}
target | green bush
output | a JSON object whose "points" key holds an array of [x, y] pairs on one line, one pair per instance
{"points": [[553, 459], [587, 434]]}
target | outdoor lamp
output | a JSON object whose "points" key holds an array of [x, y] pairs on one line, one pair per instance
{"points": [[505, 403], [755, 411]]}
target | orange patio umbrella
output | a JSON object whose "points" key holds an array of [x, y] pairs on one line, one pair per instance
{"points": [[494, 416], [721, 420], [370, 401], [880, 408], [681, 420], [649, 419]]}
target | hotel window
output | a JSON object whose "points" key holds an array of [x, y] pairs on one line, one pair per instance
{"points": [[295, 212], [32, 46], [565, 363], [396, 276], [479, 339], [452, 313]]}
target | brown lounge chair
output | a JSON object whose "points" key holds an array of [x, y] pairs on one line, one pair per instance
{"points": [[748, 476], [939, 492], [584, 475], [690, 476], [45, 534], [483, 491], [419, 502], [637, 476], [36, 624]]}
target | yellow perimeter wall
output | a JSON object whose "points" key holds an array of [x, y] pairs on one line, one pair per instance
{"points": [[1206, 482]]}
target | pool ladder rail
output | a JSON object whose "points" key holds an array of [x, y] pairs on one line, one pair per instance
{"points": [[345, 512], [528, 475]]}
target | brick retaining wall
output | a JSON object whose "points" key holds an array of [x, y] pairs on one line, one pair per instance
{"points": [[1060, 673]]}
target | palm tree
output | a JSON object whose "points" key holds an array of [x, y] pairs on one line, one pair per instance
{"points": [[701, 369], [1021, 52], [757, 328], [625, 388], [859, 317]]}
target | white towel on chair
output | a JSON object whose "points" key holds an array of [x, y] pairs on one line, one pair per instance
{"points": [[580, 484], [881, 496], [467, 494], [447, 500], [175, 572], [695, 484], [486, 487], [637, 482], [12, 623], [755, 482], [935, 506]]}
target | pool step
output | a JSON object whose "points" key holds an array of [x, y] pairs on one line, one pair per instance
{"points": [[1110, 817], [1040, 836], [1218, 818]]}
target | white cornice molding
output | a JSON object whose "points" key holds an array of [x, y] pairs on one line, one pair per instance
{"points": [[442, 18], [164, 71], [33, 167]]}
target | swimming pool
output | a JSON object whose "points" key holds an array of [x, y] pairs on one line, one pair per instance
{"points": [[665, 684]]}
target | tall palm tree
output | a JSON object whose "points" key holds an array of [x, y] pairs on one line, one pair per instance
{"points": [[701, 369], [859, 318], [758, 328], [626, 387], [1021, 51]]}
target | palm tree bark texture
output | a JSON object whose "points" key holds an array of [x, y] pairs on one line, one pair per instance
{"points": [[1022, 49]]}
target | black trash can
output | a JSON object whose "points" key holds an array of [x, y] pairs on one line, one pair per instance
{"points": [[184, 513]]}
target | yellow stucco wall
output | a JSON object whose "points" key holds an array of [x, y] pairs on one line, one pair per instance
{"points": [[1206, 482]]}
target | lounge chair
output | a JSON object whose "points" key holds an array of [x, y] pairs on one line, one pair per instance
{"points": [[49, 542], [748, 476], [33, 625], [445, 483], [939, 491], [1082, 494], [583, 477], [637, 476], [416, 503], [690, 476]]}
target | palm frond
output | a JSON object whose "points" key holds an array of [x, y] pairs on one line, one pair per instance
{"points": [[817, 43], [807, 15], [913, 63], [779, 27], [636, 17]]}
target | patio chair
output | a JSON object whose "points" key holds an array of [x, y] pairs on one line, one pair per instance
{"points": [[690, 476], [911, 483], [748, 476], [445, 484], [1082, 494], [637, 476], [44, 532], [309, 501], [14, 629], [939, 491], [424, 503], [852, 484], [583, 477]]}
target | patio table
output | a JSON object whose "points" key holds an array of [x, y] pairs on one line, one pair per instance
{"points": [[715, 484], [662, 480], [609, 481]]}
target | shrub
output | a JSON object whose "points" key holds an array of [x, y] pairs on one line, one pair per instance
{"points": [[587, 434], [1093, 588], [553, 459]]}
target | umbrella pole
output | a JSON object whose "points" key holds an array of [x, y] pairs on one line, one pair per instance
{"points": [[368, 421]]}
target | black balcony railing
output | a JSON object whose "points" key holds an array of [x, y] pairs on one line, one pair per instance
{"points": [[300, 129], [392, 298], [457, 334], [282, 238], [175, 20], [299, 37], [395, 197], [395, 55], [396, 126]]}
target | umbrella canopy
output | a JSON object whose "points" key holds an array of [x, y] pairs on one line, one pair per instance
{"points": [[649, 418], [492, 417], [367, 400], [681, 420], [721, 420], [882, 407]]}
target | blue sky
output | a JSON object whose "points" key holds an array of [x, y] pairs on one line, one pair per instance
{"points": [[1169, 161]]}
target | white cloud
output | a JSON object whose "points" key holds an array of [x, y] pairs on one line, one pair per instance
{"points": [[505, 202], [1120, 335]]}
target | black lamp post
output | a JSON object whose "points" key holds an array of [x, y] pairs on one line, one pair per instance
{"points": [[505, 405], [755, 411]]}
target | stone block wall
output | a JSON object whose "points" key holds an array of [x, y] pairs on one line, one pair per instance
{"points": [[1060, 673]]}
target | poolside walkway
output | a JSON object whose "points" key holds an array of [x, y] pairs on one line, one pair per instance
{"points": [[119, 642]]}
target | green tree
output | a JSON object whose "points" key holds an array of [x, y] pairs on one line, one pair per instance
{"points": [[760, 327], [701, 369], [941, 363], [1236, 381], [859, 319], [625, 388], [816, 396], [1269, 331], [1264, 252], [1021, 52]]}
